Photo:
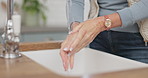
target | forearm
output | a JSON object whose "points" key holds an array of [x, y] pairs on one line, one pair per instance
{"points": [[115, 19], [135, 13], [130, 15]]}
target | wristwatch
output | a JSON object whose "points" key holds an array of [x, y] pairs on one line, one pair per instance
{"points": [[108, 22]]}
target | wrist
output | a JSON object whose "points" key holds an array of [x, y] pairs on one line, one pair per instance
{"points": [[101, 23], [104, 22], [115, 20], [108, 22]]}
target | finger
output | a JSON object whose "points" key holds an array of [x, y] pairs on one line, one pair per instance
{"points": [[66, 62], [89, 37], [78, 39], [64, 45], [80, 47], [84, 42], [64, 59], [69, 41], [71, 32], [77, 28], [71, 61], [63, 52]]}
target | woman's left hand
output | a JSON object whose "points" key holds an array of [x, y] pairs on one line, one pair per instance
{"points": [[80, 37], [86, 32]]}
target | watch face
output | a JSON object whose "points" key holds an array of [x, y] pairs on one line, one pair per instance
{"points": [[108, 23]]}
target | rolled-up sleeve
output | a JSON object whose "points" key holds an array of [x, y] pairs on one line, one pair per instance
{"points": [[75, 11], [135, 13]]}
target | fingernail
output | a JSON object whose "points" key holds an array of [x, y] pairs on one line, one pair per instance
{"points": [[65, 49], [71, 49]]}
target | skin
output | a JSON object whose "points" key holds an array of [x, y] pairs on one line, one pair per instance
{"points": [[82, 34]]}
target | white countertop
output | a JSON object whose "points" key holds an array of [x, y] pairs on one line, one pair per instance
{"points": [[87, 61]]}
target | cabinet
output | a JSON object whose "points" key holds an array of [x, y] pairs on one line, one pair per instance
{"points": [[39, 34]]}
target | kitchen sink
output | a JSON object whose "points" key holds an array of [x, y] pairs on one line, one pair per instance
{"points": [[87, 61]]}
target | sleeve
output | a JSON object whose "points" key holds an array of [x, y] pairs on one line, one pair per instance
{"points": [[75, 11], [135, 13]]}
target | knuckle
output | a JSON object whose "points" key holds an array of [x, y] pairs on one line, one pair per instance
{"points": [[61, 53], [62, 44], [83, 32], [91, 35], [77, 40], [87, 36], [90, 40]]}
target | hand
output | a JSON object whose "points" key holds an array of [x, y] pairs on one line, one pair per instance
{"points": [[81, 36], [64, 52], [86, 32]]}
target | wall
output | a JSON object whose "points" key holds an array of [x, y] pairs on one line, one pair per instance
{"points": [[56, 13], [2, 15]]}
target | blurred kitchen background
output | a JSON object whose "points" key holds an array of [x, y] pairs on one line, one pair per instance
{"points": [[42, 20]]}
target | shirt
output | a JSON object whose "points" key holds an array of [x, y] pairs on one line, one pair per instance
{"points": [[129, 15]]}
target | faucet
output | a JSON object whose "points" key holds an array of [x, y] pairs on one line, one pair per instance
{"points": [[10, 37]]}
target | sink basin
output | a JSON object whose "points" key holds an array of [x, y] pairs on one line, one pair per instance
{"points": [[87, 61]]}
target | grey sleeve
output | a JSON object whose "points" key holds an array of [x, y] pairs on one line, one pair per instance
{"points": [[75, 11], [135, 13]]}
